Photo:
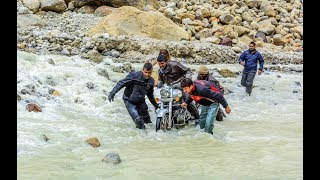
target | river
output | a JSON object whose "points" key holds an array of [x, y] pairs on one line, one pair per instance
{"points": [[262, 137]]}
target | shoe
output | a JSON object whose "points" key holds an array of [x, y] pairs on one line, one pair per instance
{"points": [[140, 126], [147, 121]]}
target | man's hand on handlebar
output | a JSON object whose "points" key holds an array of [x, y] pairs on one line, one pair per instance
{"points": [[184, 105]]}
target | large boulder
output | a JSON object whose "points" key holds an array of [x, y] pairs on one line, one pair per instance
{"points": [[297, 29], [53, 5], [103, 11], [33, 5], [128, 20], [30, 20], [266, 27]]}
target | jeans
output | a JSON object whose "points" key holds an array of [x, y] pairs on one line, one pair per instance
{"points": [[138, 112], [247, 80], [207, 116]]}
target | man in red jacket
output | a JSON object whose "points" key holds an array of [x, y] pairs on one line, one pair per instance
{"points": [[203, 93]]}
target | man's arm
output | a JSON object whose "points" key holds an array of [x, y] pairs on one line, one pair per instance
{"points": [[213, 96], [241, 58], [160, 80], [151, 96], [261, 62], [122, 83], [187, 101]]}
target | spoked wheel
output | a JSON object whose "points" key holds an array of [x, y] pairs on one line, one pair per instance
{"points": [[162, 122]]}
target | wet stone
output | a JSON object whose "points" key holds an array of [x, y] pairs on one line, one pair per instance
{"points": [[113, 158]]}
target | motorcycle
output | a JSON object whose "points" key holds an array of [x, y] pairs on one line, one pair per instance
{"points": [[170, 113]]}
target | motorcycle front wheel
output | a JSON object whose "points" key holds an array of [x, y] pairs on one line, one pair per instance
{"points": [[162, 122]]}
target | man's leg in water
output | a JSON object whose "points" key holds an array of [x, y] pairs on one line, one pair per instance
{"points": [[211, 116], [143, 112], [244, 78], [203, 116], [133, 112], [193, 110], [249, 81]]}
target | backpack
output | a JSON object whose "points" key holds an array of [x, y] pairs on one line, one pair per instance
{"points": [[212, 86]]}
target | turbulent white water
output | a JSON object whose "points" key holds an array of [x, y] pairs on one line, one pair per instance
{"points": [[262, 138]]}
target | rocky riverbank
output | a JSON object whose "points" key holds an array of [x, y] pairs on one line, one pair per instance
{"points": [[222, 30]]}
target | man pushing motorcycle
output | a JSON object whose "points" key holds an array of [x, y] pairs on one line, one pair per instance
{"points": [[203, 92], [137, 85]]}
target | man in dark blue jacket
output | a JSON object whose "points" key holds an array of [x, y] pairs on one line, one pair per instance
{"points": [[138, 84], [202, 92], [249, 59]]}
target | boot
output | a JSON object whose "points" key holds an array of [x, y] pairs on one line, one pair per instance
{"points": [[140, 124], [219, 117]]}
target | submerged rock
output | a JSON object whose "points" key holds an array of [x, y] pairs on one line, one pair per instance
{"points": [[33, 107], [94, 142], [226, 73], [112, 158], [44, 137], [18, 97]]}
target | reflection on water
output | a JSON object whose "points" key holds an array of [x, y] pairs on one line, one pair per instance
{"points": [[262, 138]]}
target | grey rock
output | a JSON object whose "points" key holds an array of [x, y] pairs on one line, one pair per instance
{"points": [[113, 158], [23, 10], [103, 72], [90, 85], [50, 61]]}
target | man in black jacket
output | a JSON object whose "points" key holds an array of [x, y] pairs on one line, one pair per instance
{"points": [[138, 84], [202, 92]]}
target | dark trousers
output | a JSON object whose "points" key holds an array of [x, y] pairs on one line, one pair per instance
{"points": [[247, 80], [138, 112]]}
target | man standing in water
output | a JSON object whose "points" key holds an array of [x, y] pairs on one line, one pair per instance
{"points": [[202, 92], [249, 59], [203, 74], [138, 84]]}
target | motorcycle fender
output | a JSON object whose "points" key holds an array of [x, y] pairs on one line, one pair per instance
{"points": [[162, 112]]}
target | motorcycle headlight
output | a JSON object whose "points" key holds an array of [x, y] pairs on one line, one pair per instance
{"points": [[164, 93], [177, 93]]}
